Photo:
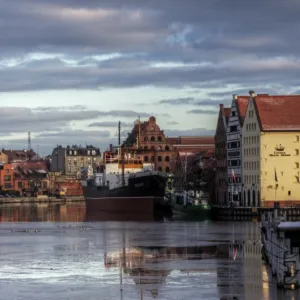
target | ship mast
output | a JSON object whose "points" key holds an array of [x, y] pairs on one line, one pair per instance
{"points": [[121, 155], [139, 133]]}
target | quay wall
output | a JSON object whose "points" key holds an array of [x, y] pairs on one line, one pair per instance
{"points": [[40, 200]]}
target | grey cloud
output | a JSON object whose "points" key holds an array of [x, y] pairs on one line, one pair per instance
{"points": [[178, 101], [55, 108], [203, 111], [172, 123], [147, 32], [110, 124], [189, 132], [23, 119], [76, 133]]}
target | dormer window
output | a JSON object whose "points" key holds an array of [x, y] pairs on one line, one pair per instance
{"points": [[152, 128], [93, 152], [89, 152], [75, 152], [70, 152]]}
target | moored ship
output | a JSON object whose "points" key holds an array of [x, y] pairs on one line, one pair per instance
{"points": [[127, 184]]}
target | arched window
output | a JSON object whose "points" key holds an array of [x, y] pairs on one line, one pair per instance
{"points": [[167, 148], [146, 147], [160, 169], [159, 138], [152, 148], [167, 169], [167, 158], [159, 148], [152, 158], [152, 128], [152, 139], [145, 139], [159, 158], [145, 158]]}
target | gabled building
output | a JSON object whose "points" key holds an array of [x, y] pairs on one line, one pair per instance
{"points": [[221, 176], [234, 147], [271, 150], [148, 136]]}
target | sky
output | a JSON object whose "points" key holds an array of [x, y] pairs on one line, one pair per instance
{"points": [[71, 69]]}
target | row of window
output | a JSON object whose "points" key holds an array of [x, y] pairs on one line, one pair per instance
{"points": [[233, 145], [152, 139], [251, 127], [234, 163], [251, 165], [251, 114], [159, 148], [251, 179], [167, 169], [89, 152], [237, 179], [251, 140], [159, 158], [251, 151]]}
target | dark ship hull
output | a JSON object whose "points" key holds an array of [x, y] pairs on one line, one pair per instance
{"points": [[143, 195]]}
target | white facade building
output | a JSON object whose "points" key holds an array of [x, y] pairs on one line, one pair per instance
{"points": [[234, 147]]}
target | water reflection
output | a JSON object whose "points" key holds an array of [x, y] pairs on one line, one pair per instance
{"points": [[129, 260]]}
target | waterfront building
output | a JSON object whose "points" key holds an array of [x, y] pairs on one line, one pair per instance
{"points": [[271, 147], [73, 160], [221, 178], [234, 147], [148, 137]]}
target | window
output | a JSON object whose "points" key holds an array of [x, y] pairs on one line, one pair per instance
{"points": [[297, 165], [233, 113], [289, 193], [7, 186], [152, 139], [296, 152], [167, 169], [297, 179], [152, 158], [233, 128], [152, 148], [152, 128], [145, 158], [159, 138], [167, 158], [146, 147], [159, 158], [297, 138], [7, 177], [167, 148], [20, 185], [160, 169]]}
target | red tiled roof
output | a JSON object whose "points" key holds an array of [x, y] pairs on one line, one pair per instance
{"points": [[242, 103], [278, 112], [227, 111]]}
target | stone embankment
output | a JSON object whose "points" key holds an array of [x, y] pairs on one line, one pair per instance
{"points": [[46, 199]]}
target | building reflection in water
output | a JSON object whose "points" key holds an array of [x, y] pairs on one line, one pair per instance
{"points": [[43, 212]]}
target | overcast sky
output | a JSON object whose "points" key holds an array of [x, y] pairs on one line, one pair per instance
{"points": [[70, 69]]}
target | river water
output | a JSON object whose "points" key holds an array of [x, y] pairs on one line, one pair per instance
{"points": [[56, 252]]}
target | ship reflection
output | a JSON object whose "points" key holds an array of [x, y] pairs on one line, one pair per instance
{"points": [[62, 212]]}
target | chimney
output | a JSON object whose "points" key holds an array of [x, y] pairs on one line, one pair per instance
{"points": [[221, 105], [110, 147], [252, 93]]}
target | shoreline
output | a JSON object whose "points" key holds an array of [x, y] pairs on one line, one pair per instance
{"points": [[41, 200]]}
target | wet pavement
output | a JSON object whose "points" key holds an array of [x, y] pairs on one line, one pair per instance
{"points": [[58, 258]]}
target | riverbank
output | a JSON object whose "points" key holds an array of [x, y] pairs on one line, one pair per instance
{"points": [[44, 199]]}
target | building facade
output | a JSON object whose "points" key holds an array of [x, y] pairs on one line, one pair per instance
{"points": [[151, 139], [73, 160], [221, 177], [272, 147], [77, 159], [234, 147]]}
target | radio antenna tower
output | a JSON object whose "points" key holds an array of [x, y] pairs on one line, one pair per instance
{"points": [[29, 141]]}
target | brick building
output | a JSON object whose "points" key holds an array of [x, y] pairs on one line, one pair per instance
{"points": [[148, 137], [18, 155], [221, 156]]}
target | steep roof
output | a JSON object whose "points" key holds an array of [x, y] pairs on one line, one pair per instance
{"points": [[241, 104], [226, 113], [278, 113]]}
